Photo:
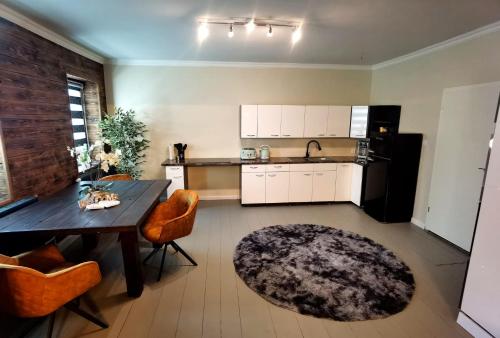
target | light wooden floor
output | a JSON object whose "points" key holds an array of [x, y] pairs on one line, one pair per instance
{"points": [[211, 301]]}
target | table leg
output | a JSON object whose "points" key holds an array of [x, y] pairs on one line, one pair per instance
{"points": [[132, 263]]}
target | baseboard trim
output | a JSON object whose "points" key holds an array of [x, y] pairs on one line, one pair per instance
{"points": [[471, 326], [418, 222], [219, 197]]}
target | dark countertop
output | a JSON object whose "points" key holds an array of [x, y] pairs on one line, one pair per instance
{"points": [[234, 161]]}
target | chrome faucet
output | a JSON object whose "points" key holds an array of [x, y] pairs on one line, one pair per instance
{"points": [[309, 143]]}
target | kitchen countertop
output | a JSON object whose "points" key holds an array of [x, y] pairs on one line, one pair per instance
{"points": [[235, 161]]}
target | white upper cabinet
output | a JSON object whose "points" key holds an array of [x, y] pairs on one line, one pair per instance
{"points": [[359, 121], [316, 119], [269, 121], [248, 121], [292, 121], [339, 121]]}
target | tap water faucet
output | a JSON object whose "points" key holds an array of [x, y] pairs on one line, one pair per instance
{"points": [[309, 143]]}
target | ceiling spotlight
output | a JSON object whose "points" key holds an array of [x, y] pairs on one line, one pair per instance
{"points": [[270, 31], [230, 34], [203, 31], [250, 26], [296, 35]]}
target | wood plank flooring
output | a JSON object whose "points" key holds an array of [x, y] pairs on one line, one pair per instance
{"points": [[211, 301]]}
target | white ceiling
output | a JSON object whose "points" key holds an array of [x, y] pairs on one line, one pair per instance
{"points": [[361, 32]]}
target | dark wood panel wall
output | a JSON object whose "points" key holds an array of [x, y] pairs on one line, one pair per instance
{"points": [[34, 109]]}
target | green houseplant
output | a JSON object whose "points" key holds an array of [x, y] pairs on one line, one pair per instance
{"points": [[121, 130]]}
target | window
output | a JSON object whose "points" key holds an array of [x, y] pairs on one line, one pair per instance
{"points": [[78, 119], [4, 178]]}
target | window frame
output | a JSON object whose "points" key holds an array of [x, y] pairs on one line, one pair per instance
{"points": [[81, 88]]}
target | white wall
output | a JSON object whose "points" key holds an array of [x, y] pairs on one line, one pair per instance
{"points": [[200, 106], [417, 85]]}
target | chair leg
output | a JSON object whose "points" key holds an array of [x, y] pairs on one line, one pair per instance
{"points": [[178, 248], [73, 308], [162, 262], [151, 254], [52, 318]]}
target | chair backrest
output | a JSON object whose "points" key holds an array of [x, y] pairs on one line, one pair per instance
{"points": [[117, 177]]}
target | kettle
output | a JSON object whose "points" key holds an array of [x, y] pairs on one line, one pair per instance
{"points": [[264, 152]]}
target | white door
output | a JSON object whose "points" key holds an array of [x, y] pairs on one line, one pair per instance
{"points": [[339, 121], [277, 187], [324, 186], [359, 121], [315, 121], [481, 297], [465, 128], [301, 186], [268, 121], [292, 121], [343, 183], [248, 121], [253, 188], [356, 183]]}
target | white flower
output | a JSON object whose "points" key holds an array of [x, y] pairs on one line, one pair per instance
{"points": [[105, 166], [98, 143], [118, 152], [139, 139]]}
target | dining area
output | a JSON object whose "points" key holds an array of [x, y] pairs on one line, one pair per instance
{"points": [[34, 285]]}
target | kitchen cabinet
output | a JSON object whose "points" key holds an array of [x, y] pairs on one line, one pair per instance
{"points": [[359, 121], [292, 121], [324, 186], [277, 185], [316, 118], [301, 186], [253, 188], [268, 121], [339, 121], [356, 183], [248, 126], [176, 174], [343, 182]]}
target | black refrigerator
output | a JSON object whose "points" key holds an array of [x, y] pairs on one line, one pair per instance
{"points": [[390, 176]]}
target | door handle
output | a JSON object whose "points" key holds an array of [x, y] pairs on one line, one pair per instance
{"points": [[269, 175], [333, 135], [307, 174], [274, 135], [481, 168], [286, 135], [321, 134], [319, 174], [251, 135], [260, 175]]}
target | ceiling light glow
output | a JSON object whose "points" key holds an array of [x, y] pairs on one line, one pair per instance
{"points": [[296, 35], [203, 31], [250, 26], [270, 32], [230, 34]]}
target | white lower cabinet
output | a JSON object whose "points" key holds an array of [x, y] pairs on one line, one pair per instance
{"points": [[301, 187], [277, 184], [356, 183], [324, 186], [176, 175], [253, 188], [343, 183]]}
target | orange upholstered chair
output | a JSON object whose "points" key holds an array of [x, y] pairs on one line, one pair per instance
{"points": [[171, 220], [37, 283], [117, 177]]}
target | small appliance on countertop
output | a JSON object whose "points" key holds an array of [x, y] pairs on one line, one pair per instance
{"points": [[248, 153], [265, 152]]}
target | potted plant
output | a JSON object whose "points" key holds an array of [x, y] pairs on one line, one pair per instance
{"points": [[121, 130]]}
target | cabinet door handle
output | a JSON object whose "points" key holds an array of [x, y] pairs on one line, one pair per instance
{"points": [[274, 135], [278, 166], [251, 167], [321, 134], [307, 174], [251, 135], [178, 177], [333, 135], [271, 175], [260, 175], [360, 135], [174, 168], [319, 174], [287, 135]]}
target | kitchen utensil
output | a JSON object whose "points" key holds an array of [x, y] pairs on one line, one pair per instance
{"points": [[264, 152]]}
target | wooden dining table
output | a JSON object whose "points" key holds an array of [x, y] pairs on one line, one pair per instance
{"points": [[59, 214]]}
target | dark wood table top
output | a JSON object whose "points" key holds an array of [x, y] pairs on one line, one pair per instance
{"points": [[60, 212]]}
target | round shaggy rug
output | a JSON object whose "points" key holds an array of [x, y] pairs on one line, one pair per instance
{"points": [[324, 272]]}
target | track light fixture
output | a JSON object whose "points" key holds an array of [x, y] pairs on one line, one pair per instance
{"points": [[250, 25], [270, 32]]}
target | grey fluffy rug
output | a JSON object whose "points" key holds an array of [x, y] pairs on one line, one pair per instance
{"points": [[324, 272]]}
